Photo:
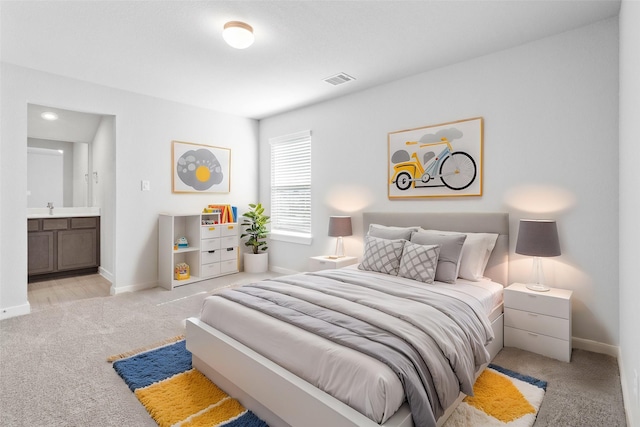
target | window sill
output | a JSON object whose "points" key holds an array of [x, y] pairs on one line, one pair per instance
{"points": [[283, 236]]}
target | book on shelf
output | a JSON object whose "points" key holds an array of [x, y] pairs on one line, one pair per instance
{"points": [[227, 213]]}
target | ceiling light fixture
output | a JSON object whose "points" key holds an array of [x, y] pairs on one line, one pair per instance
{"points": [[49, 115], [238, 34]]}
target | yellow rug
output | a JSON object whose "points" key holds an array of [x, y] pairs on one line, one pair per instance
{"points": [[501, 398], [176, 394]]}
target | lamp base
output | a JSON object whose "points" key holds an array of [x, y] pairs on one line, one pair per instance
{"points": [[538, 287]]}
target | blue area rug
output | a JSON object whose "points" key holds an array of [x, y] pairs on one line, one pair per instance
{"points": [[176, 394]]}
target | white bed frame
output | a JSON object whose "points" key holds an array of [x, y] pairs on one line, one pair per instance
{"points": [[283, 399]]}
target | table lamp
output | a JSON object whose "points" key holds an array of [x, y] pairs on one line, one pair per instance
{"points": [[537, 238], [339, 226]]}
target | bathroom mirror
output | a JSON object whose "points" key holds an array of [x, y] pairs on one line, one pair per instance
{"points": [[59, 156]]}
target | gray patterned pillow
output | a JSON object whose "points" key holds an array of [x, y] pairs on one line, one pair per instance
{"points": [[382, 255], [419, 262]]}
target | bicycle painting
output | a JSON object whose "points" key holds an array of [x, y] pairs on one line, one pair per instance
{"points": [[436, 161]]}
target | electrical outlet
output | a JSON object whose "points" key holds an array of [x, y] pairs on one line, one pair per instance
{"points": [[145, 186]]}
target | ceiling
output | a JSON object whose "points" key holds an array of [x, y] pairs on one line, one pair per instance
{"points": [[174, 49], [71, 126]]}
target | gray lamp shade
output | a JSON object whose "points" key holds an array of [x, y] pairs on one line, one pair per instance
{"points": [[538, 238], [340, 226]]}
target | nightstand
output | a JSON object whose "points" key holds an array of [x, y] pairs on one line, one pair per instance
{"points": [[539, 322], [317, 263]]}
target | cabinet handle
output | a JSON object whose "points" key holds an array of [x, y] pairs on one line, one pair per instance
{"points": [[211, 252], [229, 249], [532, 296], [533, 314], [212, 228], [533, 335]]}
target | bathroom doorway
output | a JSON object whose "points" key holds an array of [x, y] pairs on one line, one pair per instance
{"points": [[85, 186]]}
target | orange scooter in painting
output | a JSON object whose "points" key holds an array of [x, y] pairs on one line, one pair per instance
{"points": [[456, 170]]}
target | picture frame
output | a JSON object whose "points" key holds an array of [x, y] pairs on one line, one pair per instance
{"points": [[198, 168], [443, 160]]}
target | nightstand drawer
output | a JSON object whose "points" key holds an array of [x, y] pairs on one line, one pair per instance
{"points": [[538, 323], [318, 263], [538, 302], [537, 343]]}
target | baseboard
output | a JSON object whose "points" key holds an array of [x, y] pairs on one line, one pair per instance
{"points": [[627, 393], [595, 346], [17, 310], [281, 270], [106, 274], [132, 288]]}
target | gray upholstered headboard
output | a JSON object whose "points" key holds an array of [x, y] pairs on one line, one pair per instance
{"points": [[472, 222]]}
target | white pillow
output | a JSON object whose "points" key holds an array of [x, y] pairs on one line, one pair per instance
{"points": [[476, 251]]}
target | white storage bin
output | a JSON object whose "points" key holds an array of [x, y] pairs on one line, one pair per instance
{"points": [[212, 269], [210, 231], [211, 256], [210, 245], [229, 242], [228, 266], [229, 230], [229, 254]]}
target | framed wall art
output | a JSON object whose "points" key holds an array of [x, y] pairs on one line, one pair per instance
{"points": [[200, 168], [442, 160]]}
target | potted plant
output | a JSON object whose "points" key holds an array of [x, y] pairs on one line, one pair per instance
{"points": [[255, 228]]}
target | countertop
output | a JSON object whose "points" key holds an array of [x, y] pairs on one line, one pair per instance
{"points": [[33, 213]]}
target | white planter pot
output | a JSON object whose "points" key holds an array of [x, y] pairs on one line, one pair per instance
{"points": [[256, 263]]}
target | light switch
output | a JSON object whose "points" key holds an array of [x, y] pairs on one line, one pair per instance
{"points": [[146, 185]]}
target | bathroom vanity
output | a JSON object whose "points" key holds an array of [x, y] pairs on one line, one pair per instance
{"points": [[63, 243]]}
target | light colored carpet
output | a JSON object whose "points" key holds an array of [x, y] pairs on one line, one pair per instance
{"points": [[53, 370], [583, 393]]}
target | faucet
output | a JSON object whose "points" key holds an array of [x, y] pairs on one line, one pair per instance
{"points": [[50, 206]]}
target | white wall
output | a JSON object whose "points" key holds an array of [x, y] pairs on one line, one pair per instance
{"points": [[550, 111], [629, 204], [145, 127], [103, 192]]}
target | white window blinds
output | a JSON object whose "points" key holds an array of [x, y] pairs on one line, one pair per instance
{"points": [[291, 184]]}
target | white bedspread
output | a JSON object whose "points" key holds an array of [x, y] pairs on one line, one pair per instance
{"points": [[360, 381]]}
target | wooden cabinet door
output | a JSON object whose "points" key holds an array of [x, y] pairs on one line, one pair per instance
{"points": [[41, 253], [77, 249]]}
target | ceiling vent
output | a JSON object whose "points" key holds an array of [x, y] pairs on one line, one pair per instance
{"points": [[338, 79]]}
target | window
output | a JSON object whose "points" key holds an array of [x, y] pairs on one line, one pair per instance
{"points": [[291, 187]]}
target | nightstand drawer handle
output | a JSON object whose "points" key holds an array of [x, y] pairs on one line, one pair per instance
{"points": [[533, 335]]}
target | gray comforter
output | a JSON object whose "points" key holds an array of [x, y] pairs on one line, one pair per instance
{"points": [[433, 341]]}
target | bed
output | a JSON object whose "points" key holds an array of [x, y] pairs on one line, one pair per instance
{"points": [[230, 351]]}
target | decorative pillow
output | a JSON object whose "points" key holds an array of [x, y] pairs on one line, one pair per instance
{"points": [[389, 232], [419, 262], [475, 253], [450, 251], [382, 255]]}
